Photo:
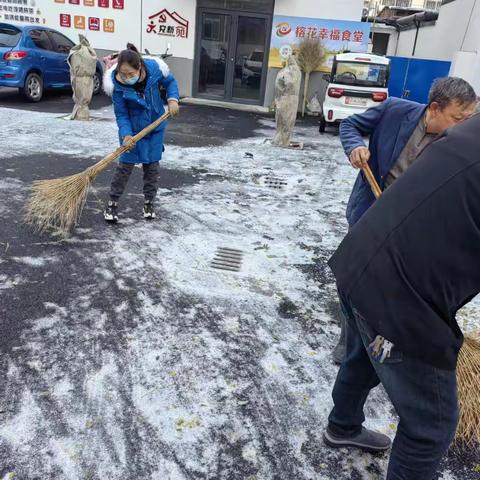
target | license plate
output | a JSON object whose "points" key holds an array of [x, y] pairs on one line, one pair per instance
{"points": [[356, 101]]}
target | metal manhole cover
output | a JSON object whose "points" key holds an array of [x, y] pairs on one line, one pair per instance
{"points": [[275, 182], [228, 259]]}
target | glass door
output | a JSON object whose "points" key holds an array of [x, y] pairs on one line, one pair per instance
{"points": [[231, 58], [214, 54], [250, 58]]}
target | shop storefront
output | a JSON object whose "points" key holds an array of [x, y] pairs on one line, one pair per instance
{"points": [[226, 50]]}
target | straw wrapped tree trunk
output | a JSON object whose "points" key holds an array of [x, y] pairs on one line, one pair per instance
{"points": [[83, 63], [287, 91], [310, 56]]}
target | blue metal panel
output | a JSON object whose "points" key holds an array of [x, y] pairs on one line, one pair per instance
{"points": [[412, 78], [398, 73], [421, 75]]}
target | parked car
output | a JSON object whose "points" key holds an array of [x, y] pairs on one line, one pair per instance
{"points": [[34, 58], [252, 67], [357, 82]]}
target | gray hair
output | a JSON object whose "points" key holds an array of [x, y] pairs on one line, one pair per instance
{"points": [[451, 89]]}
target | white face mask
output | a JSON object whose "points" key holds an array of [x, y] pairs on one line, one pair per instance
{"points": [[132, 80]]}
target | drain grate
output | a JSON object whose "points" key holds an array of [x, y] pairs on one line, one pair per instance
{"points": [[227, 259], [275, 182]]}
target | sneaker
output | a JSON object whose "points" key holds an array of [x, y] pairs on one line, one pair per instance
{"points": [[148, 210], [366, 440], [111, 212]]}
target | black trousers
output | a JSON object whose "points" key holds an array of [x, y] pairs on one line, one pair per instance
{"points": [[122, 174]]}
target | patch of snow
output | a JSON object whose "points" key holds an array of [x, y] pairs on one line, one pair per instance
{"points": [[11, 282], [35, 262]]}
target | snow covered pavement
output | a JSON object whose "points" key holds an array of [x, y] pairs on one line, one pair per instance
{"points": [[125, 355]]}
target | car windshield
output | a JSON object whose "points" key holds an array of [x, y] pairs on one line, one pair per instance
{"points": [[361, 74], [9, 36]]}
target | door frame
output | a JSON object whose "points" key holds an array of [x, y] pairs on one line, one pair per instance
{"points": [[232, 49]]}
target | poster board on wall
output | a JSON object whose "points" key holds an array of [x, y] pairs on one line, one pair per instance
{"points": [[335, 35]]}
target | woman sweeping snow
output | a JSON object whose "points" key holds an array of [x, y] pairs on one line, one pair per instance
{"points": [[134, 84]]}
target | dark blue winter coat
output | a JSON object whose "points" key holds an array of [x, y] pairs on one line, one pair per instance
{"points": [[135, 111], [390, 126]]}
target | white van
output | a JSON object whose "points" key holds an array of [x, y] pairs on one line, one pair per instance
{"points": [[357, 82]]}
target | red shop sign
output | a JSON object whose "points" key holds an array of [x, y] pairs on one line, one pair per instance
{"points": [[65, 20]]}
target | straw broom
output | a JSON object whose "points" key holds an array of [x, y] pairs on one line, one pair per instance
{"points": [[56, 205], [468, 378], [468, 372]]}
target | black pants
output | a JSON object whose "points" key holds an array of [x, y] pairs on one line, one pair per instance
{"points": [[122, 174]]}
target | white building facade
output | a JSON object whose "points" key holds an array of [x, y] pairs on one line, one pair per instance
{"points": [[220, 48]]}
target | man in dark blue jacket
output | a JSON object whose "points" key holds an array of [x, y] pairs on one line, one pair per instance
{"points": [[399, 130], [403, 272]]}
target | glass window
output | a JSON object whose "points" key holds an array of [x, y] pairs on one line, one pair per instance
{"points": [[41, 39], [259, 6], [62, 43], [9, 36], [361, 74]]}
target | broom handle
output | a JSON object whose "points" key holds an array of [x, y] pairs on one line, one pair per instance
{"points": [[94, 169], [151, 127], [377, 191]]}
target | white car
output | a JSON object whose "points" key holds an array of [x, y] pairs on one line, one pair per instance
{"points": [[357, 82], [252, 67]]}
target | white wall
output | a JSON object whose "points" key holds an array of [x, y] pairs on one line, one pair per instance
{"points": [[466, 65], [455, 37], [130, 23], [126, 29], [392, 44], [331, 9], [180, 47], [444, 39], [466, 62], [471, 42]]}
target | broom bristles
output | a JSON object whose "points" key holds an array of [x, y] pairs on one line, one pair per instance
{"points": [[56, 205], [468, 377]]}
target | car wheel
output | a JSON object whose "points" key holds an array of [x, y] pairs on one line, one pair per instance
{"points": [[97, 83], [33, 89], [323, 125]]}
